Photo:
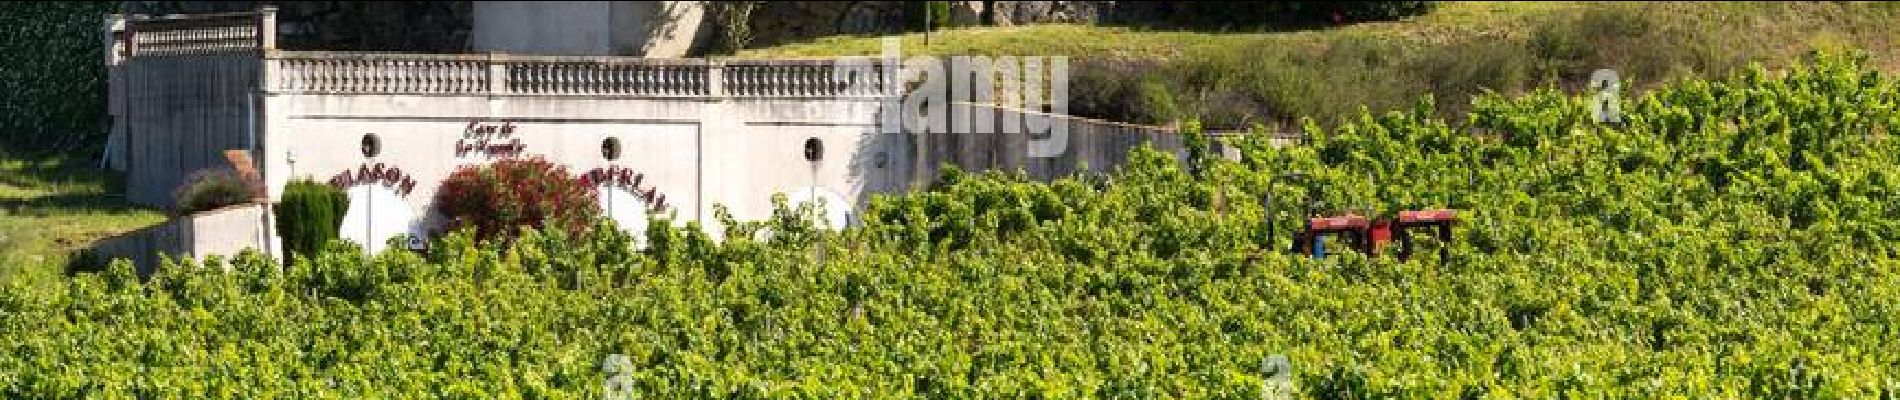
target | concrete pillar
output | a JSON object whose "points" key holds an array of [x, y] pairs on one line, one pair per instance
{"points": [[716, 79], [497, 74], [267, 27], [115, 45]]}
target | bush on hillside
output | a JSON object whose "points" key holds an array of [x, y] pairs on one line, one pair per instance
{"points": [[309, 215], [213, 188], [734, 24], [498, 198], [922, 16]]}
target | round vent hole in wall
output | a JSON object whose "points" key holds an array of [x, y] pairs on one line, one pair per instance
{"points": [[610, 149], [372, 145]]}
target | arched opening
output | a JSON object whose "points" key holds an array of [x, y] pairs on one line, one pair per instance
{"points": [[835, 210], [376, 214], [627, 209]]}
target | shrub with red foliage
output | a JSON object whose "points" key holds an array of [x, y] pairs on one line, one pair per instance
{"points": [[499, 198]]}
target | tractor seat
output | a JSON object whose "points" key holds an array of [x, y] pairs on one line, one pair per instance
{"points": [[1424, 217], [1340, 223]]}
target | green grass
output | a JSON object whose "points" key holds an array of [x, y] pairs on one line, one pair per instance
{"points": [[1444, 24], [1234, 79], [50, 208]]}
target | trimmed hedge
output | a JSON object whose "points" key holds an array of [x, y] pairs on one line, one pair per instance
{"points": [[309, 216]]}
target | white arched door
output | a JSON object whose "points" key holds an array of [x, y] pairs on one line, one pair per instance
{"points": [[627, 209], [835, 211], [376, 214]]}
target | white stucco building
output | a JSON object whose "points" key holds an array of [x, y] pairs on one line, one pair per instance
{"points": [[692, 132]]}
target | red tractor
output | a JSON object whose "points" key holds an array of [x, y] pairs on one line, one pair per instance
{"points": [[1371, 237], [1358, 232]]}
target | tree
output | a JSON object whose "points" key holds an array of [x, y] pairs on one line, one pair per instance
{"points": [[735, 22]]}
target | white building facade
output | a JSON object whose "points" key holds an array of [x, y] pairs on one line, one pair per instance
{"points": [[388, 127]]}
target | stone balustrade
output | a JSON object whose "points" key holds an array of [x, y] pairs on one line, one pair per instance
{"points": [[499, 74], [191, 34], [329, 72], [799, 78], [605, 77], [383, 73]]}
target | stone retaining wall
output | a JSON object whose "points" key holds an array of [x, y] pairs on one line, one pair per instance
{"points": [[224, 232]]}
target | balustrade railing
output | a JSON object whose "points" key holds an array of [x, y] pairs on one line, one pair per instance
{"points": [[801, 78], [191, 34], [606, 78], [319, 72], [391, 73]]}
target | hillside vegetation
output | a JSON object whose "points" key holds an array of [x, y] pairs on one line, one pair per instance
{"points": [[1732, 240], [1235, 79], [53, 80]]}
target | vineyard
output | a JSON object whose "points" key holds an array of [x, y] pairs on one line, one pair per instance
{"points": [[1728, 240]]}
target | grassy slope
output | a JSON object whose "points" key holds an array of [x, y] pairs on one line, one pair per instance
{"points": [[1459, 49], [1079, 40], [50, 208]]}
